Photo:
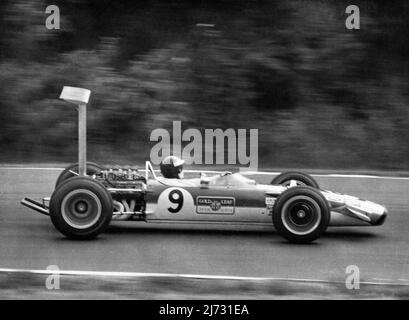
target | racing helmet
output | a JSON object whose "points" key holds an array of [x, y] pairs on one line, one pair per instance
{"points": [[172, 167]]}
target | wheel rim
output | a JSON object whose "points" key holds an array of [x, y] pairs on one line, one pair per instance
{"points": [[301, 215], [81, 208]]}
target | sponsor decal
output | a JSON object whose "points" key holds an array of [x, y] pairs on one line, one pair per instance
{"points": [[215, 205], [270, 202]]}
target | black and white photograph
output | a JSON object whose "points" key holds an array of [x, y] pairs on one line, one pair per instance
{"points": [[217, 151]]}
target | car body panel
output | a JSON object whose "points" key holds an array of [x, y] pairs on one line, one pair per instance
{"points": [[246, 202]]}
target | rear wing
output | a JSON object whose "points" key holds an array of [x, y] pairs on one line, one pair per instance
{"points": [[79, 97]]}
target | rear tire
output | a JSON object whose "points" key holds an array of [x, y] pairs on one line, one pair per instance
{"points": [[301, 179], [301, 214], [81, 208], [92, 168]]}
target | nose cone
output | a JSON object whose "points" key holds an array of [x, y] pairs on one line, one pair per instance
{"points": [[379, 219], [376, 212]]}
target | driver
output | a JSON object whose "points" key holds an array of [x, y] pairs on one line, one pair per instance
{"points": [[172, 167]]}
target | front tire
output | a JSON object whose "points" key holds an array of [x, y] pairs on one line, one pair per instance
{"points": [[300, 179], [81, 208], [301, 214]]}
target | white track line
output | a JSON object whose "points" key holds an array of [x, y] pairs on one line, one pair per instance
{"points": [[186, 276], [31, 168], [333, 175], [330, 175], [244, 172]]}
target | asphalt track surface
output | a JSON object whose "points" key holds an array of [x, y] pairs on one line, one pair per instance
{"points": [[28, 240]]}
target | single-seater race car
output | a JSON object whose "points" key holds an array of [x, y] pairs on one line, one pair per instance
{"points": [[81, 207], [87, 197]]}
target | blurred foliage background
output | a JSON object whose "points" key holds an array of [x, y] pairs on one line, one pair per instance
{"points": [[321, 96]]}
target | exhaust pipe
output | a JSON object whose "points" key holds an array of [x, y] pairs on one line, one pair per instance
{"points": [[36, 206]]}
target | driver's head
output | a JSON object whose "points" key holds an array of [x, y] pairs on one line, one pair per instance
{"points": [[172, 167]]}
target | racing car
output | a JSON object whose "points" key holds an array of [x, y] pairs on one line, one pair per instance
{"points": [[81, 207], [87, 197]]}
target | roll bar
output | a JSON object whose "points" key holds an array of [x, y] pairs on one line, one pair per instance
{"points": [[149, 168]]}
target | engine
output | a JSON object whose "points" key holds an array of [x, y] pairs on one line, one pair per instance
{"points": [[123, 178], [127, 188]]}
